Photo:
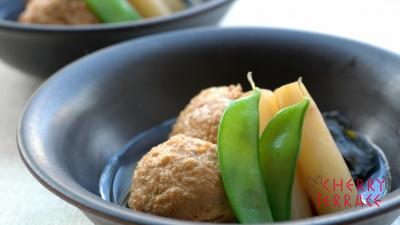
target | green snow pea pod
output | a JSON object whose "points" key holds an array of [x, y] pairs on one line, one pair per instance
{"points": [[238, 138], [278, 148], [111, 11]]}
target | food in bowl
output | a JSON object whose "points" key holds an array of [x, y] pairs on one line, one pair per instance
{"points": [[265, 156], [200, 118], [180, 178], [75, 12]]}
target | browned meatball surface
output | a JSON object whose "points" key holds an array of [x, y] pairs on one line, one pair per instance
{"points": [[68, 12], [180, 179], [201, 117]]}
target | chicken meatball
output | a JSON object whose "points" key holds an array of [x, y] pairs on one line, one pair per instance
{"points": [[201, 117], [68, 12], [180, 179]]}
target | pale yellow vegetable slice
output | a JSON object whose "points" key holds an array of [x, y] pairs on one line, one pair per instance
{"points": [[300, 204], [268, 107], [319, 157], [151, 8], [175, 5]]}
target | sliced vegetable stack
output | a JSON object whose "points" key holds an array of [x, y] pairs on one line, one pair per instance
{"points": [[269, 143], [112, 11], [319, 156]]}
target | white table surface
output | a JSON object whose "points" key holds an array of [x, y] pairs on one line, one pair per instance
{"points": [[24, 201]]}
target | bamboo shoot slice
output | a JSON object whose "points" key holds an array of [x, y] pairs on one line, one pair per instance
{"points": [[319, 156], [175, 5], [300, 204], [151, 8], [268, 108]]}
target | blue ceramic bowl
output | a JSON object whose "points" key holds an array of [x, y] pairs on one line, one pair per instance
{"points": [[43, 49], [90, 109]]}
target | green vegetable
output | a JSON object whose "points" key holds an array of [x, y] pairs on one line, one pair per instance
{"points": [[278, 148], [238, 159], [111, 11]]}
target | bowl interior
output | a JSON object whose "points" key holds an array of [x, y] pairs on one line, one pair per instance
{"points": [[86, 113]]}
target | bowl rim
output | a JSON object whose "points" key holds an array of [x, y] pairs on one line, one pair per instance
{"points": [[93, 204], [198, 10]]}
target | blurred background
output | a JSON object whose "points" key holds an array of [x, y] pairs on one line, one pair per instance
{"points": [[24, 201], [373, 21]]}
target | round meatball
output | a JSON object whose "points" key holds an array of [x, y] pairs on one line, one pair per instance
{"points": [[201, 117], [68, 12], [180, 179]]}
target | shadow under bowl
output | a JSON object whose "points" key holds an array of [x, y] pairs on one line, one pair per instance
{"points": [[42, 49], [90, 109]]}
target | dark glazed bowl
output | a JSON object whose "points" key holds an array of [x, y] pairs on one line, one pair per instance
{"points": [[85, 113], [43, 49]]}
